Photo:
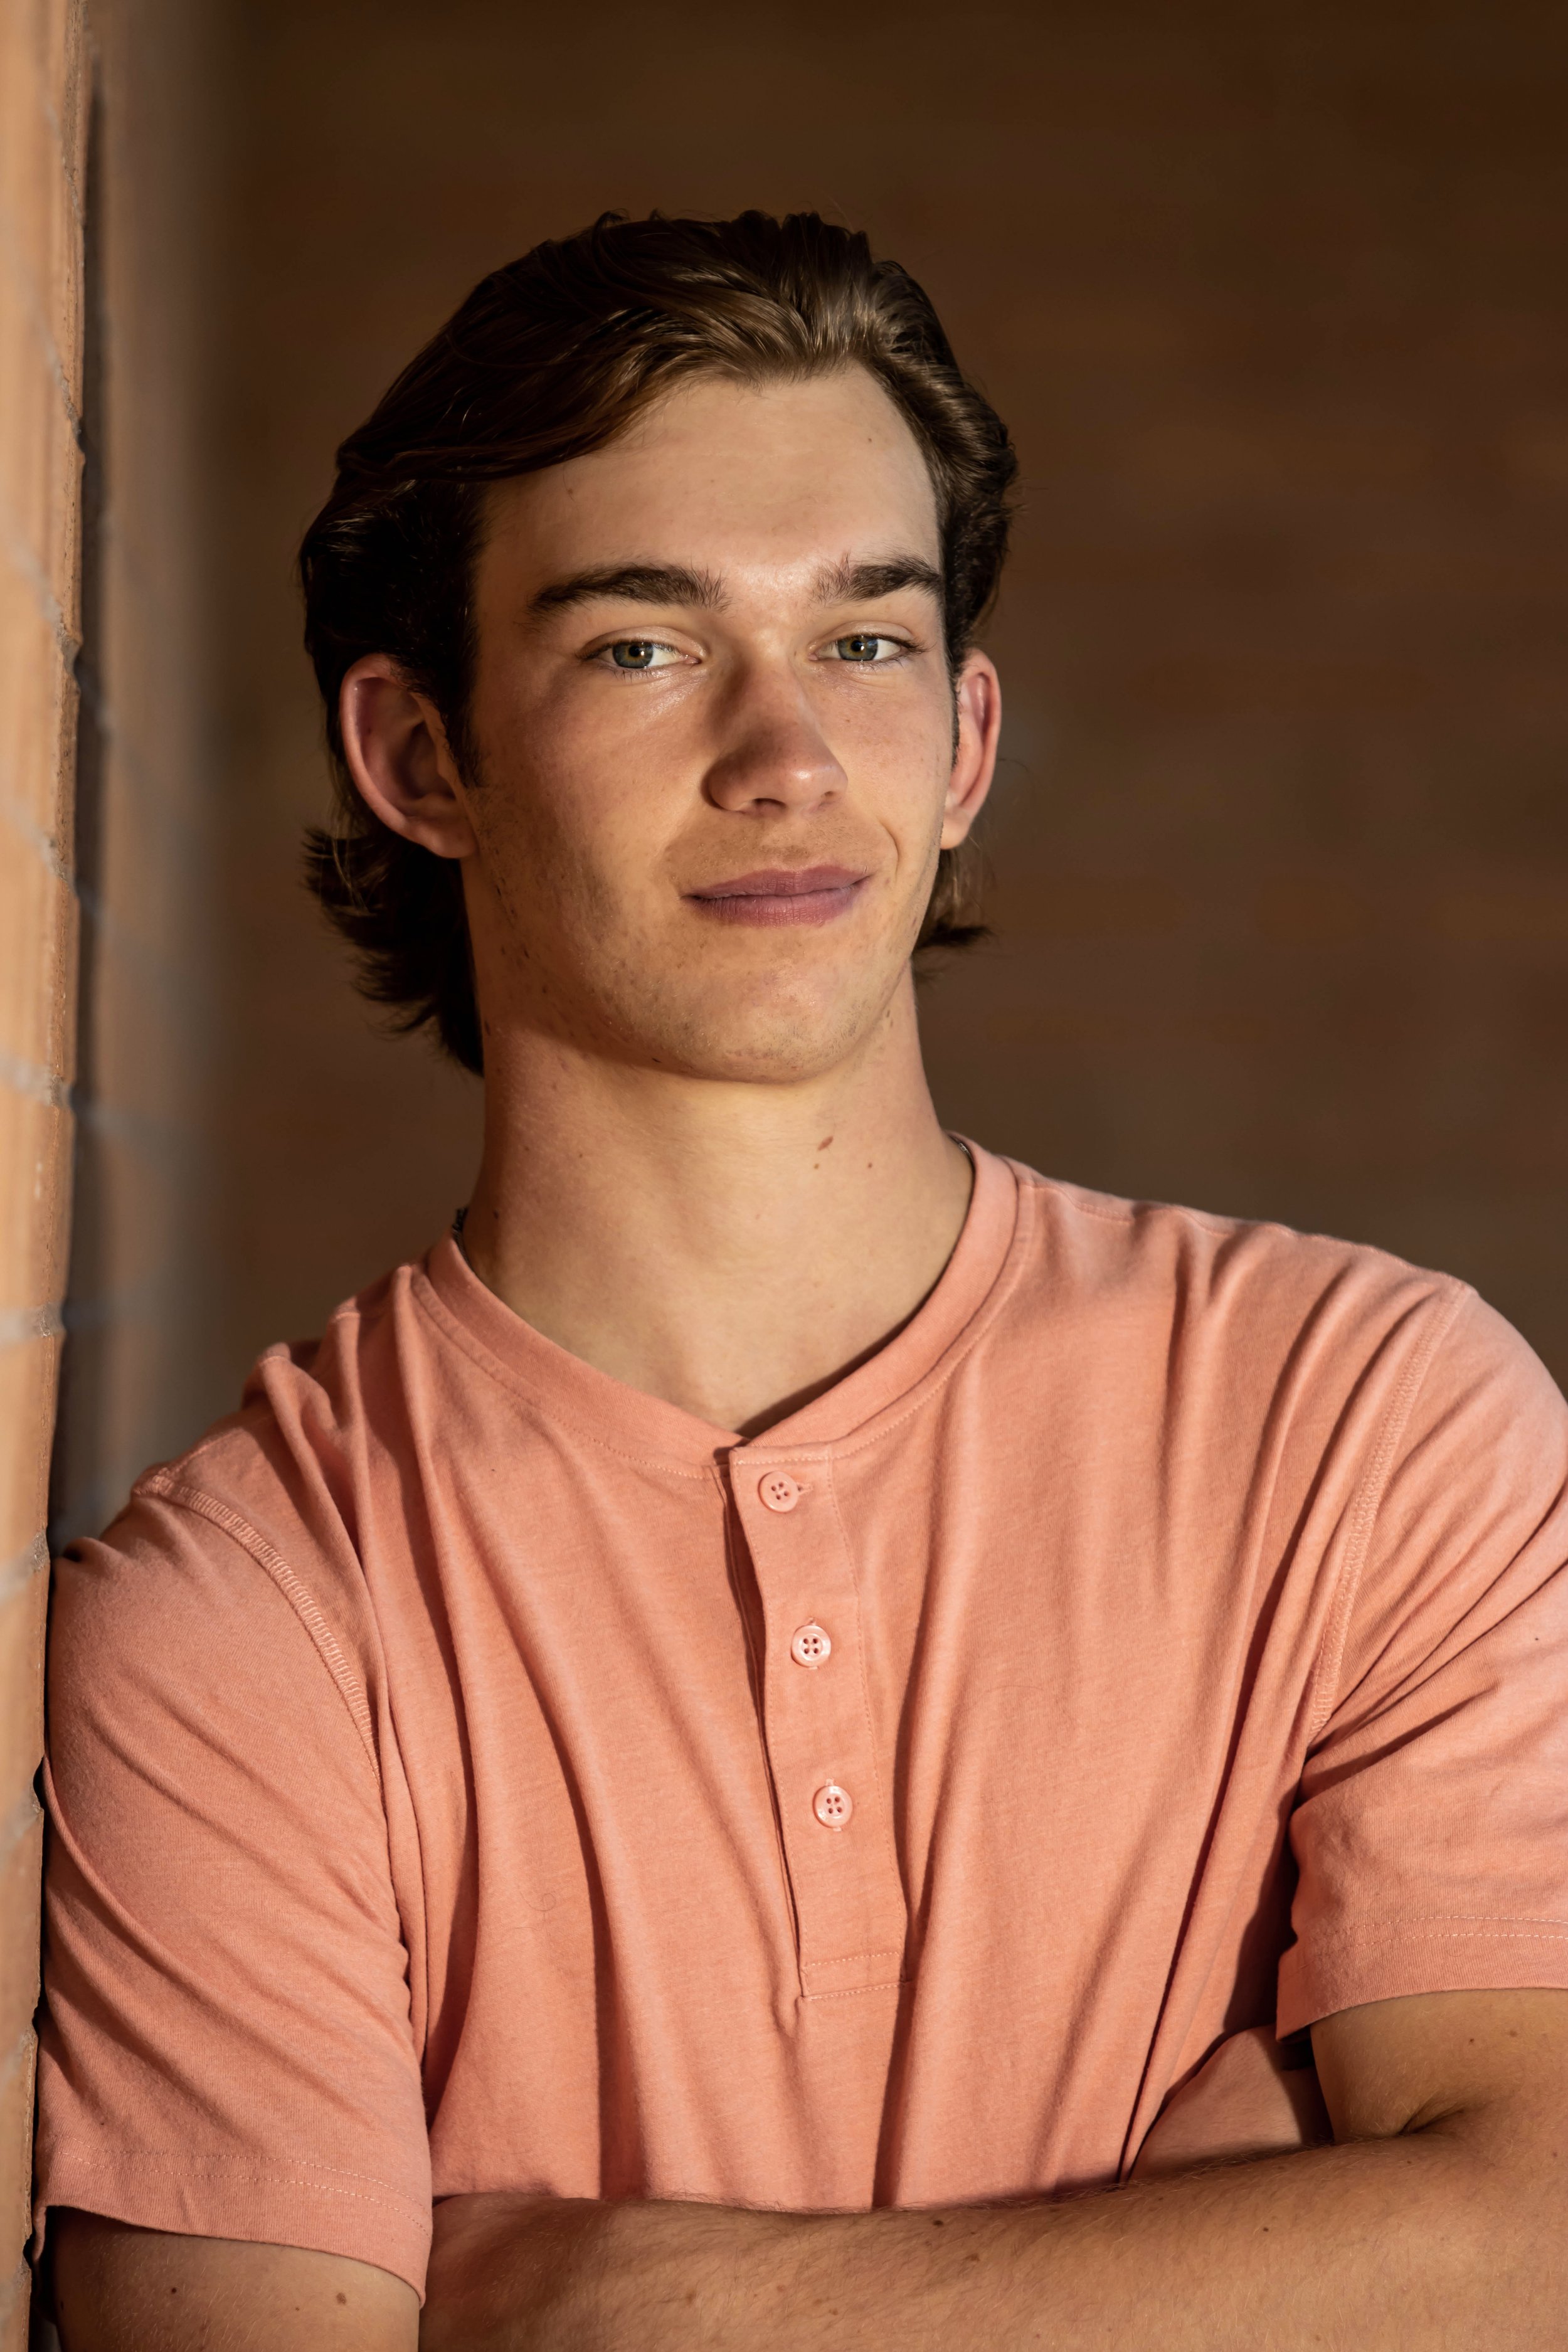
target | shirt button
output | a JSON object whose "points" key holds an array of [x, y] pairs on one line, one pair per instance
{"points": [[831, 1805], [779, 1491], [811, 1646]]}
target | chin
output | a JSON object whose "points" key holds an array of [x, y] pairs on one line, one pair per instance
{"points": [[778, 1042]]}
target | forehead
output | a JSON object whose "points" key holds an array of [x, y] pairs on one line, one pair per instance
{"points": [[728, 478]]}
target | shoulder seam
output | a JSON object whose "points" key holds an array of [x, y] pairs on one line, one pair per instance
{"points": [[240, 1531]]}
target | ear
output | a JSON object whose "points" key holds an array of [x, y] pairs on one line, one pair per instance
{"points": [[398, 755], [978, 697]]}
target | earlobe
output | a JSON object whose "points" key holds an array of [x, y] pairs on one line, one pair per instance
{"points": [[397, 753], [979, 697]]}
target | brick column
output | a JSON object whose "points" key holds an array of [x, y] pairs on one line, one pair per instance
{"points": [[43, 124]]}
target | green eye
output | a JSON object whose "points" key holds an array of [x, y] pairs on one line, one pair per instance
{"points": [[862, 647], [634, 653]]}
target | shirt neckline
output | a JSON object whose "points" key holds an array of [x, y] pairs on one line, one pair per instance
{"points": [[630, 1421]]}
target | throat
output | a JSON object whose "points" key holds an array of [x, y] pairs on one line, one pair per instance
{"points": [[737, 1287]]}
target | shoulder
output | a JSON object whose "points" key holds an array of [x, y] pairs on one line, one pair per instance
{"points": [[1245, 1319], [258, 1522], [1243, 1275], [310, 1412], [1132, 1238]]}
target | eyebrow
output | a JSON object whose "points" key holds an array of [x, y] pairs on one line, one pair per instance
{"points": [[862, 583], [636, 583], [677, 583]]}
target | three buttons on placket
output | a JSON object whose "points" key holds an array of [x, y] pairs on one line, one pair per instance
{"points": [[811, 1647]]}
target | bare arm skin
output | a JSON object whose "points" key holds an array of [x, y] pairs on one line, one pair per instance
{"points": [[123, 2290], [1439, 2219]]}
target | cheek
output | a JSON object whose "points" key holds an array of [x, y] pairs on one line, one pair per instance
{"points": [[900, 756], [567, 819]]}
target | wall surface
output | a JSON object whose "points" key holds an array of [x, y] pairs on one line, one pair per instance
{"points": [[138, 1371], [43, 140], [1273, 304], [107, 961]]}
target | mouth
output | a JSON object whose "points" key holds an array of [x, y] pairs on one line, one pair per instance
{"points": [[776, 895]]}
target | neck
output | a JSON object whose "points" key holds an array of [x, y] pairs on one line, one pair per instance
{"points": [[733, 1248]]}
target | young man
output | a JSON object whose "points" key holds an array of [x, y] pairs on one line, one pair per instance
{"points": [[795, 1724]]}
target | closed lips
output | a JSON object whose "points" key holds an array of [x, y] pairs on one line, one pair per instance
{"points": [[808, 894]]}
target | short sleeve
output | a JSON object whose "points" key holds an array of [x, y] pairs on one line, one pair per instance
{"points": [[226, 2048], [1431, 1829]]}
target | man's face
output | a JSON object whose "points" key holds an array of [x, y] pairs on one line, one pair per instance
{"points": [[713, 728]]}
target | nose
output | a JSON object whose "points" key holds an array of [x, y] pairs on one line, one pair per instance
{"points": [[773, 755]]}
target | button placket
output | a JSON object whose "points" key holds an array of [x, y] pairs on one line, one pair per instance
{"points": [[833, 1807]]}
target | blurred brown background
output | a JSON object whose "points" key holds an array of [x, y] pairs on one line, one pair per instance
{"points": [[1273, 300]]}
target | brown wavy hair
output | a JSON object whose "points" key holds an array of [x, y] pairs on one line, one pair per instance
{"points": [[548, 358]]}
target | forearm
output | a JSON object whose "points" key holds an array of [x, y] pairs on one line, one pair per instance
{"points": [[1373, 2246]]}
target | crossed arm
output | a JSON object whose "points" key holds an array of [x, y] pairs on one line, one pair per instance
{"points": [[1439, 2218]]}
